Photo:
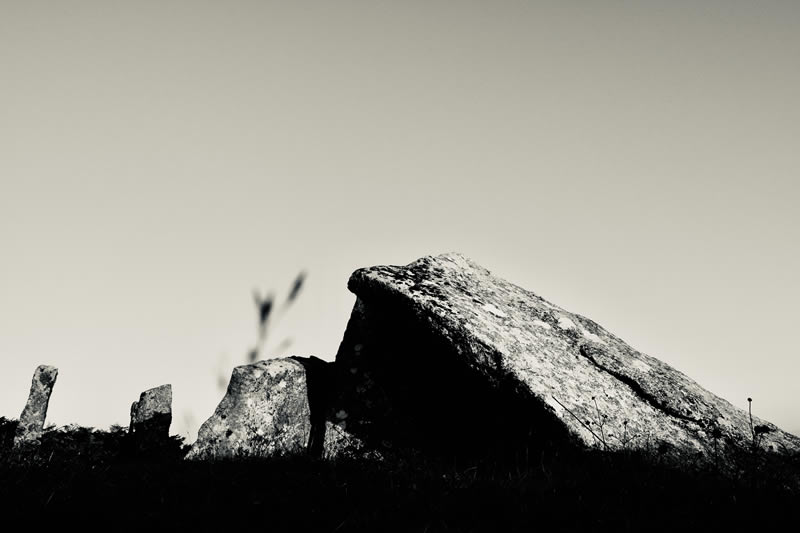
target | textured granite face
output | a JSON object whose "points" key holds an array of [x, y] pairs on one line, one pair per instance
{"points": [[600, 390], [151, 416], [265, 412], [31, 421]]}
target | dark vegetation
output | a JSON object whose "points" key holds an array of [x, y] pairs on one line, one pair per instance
{"points": [[85, 476]]}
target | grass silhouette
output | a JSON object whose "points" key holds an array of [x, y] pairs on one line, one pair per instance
{"points": [[82, 473]]}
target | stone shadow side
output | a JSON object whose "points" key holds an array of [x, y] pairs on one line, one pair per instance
{"points": [[401, 382], [320, 389]]}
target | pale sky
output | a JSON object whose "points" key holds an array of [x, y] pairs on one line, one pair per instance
{"points": [[634, 162]]}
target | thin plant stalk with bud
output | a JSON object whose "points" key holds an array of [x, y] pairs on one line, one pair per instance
{"points": [[266, 308]]}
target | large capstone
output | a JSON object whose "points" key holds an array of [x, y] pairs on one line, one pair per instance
{"points": [[31, 421], [151, 417], [265, 412], [442, 356]]}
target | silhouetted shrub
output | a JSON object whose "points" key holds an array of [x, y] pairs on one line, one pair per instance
{"points": [[7, 429], [81, 473]]}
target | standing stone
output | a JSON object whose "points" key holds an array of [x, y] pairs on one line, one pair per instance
{"points": [[265, 412], [31, 421], [151, 416], [442, 355]]}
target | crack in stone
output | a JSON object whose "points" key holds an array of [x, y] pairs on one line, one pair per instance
{"points": [[585, 351]]}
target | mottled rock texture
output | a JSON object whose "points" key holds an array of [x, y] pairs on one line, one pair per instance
{"points": [[265, 412], [151, 416], [31, 421], [339, 443], [444, 356]]}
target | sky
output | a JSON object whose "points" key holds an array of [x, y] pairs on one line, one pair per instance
{"points": [[634, 162]]}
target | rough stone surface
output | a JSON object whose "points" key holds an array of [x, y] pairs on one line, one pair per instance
{"points": [[151, 416], [340, 443], [528, 368], [31, 421], [265, 412]]}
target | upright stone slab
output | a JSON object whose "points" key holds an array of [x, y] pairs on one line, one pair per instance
{"points": [[442, 355], [151, 417], [31, 421], [265, 412]]}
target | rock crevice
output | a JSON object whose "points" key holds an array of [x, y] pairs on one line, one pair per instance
{"points": [[588, 351]]}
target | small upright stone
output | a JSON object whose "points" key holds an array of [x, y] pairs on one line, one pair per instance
{"points": [[265, 412], [151, 416], [31, 421]]}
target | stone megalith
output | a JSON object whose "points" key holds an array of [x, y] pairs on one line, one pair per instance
{"points": [[31, 421], [444, 356], [151, 416], [266, 411]]}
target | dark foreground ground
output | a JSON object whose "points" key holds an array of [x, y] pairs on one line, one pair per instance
{"points": [[91, 478]]}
